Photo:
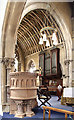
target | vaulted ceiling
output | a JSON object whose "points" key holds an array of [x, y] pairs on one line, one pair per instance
{"points": [[28, 33]]}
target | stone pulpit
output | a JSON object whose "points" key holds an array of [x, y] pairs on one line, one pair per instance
{"points": [[23, 93]]}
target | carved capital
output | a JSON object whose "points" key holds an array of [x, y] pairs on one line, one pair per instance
{"points": [[19, 102], [9, 62], [20, 107], [67, 62]]}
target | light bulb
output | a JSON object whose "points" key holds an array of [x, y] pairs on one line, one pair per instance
{"points": [[54, 38], [44, 37], [47, 43], [41, 41]]}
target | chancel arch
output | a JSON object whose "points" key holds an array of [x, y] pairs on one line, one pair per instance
{"points": [[52, 10], [48, 20]]}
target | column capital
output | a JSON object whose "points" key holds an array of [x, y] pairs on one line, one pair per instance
{"points": [[9, 62], [19, 102], [67, 62]]}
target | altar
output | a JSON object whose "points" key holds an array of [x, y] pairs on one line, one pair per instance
{"points": [[23, 93], [68, 96]]}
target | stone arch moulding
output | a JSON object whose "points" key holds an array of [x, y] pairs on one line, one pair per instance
{"points": [[9, 28], [62, 25], [52, 9]]}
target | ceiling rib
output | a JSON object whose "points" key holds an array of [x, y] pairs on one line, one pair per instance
{"points": [[20, 34], [28, 33], [42, 25], [36, 29], [45, 24]]}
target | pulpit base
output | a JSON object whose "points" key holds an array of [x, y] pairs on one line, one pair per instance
{"points": [[29, 114], [20, 115]]}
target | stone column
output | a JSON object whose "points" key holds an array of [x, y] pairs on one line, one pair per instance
{"points": [[3, 82], [20, 109], [1, 113], [8, 84], [8, 63], [29, 112], [67, 62], [66, 78], [73, 48]]}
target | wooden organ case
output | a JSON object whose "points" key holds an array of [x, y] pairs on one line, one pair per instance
{"points": [[50, 69]]}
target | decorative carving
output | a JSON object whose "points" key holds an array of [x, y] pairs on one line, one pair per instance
{"points": [[67, 62], [20, 111], [9, 62], [24, 90], [29, 112]]}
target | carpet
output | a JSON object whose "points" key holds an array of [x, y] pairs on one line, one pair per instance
{"points": [[39, 112]]}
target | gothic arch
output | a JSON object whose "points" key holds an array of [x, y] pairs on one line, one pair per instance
{"points": [[62, 25], [59, 20]]}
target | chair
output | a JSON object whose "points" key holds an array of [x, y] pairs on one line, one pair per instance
{"points": [[43, 96], [59, 92]]}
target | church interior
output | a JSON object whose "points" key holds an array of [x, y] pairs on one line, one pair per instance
{"points": [[37, 59]]}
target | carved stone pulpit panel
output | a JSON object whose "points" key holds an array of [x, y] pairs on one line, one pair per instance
{"points": [[23, 91]]}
